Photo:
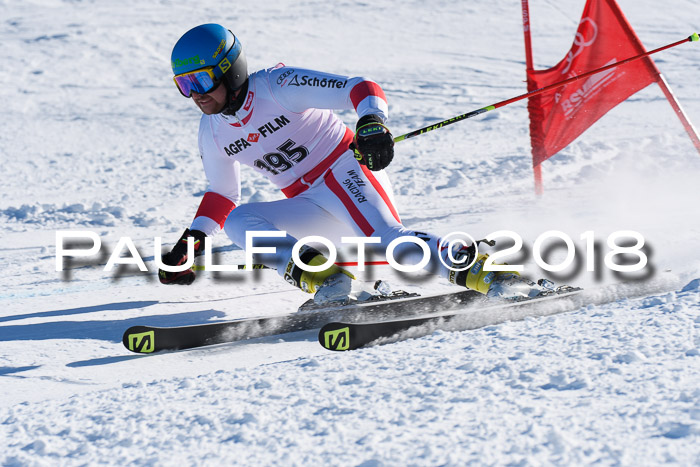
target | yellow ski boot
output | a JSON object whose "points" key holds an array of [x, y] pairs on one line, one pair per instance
{"points": [[333, 284]]}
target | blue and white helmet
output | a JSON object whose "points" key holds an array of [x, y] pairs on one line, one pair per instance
{"points": [[211, 46]]}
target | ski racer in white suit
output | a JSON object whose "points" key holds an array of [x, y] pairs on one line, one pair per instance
{"points": [[279, 122]]}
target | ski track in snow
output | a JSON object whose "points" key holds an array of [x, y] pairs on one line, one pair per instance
{"points": [[95, 137]]}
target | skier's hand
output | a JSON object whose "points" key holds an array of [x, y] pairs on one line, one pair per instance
{"points": [[178, 256], [373, 143]]}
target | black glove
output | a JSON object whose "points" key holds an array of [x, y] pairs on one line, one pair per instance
{"points": [[373, 143], [178, 256]]}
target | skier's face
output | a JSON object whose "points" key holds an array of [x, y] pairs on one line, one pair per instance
{"points": [[212, 102]]}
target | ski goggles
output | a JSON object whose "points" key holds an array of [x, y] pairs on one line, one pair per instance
{"points": [[200, 81]]}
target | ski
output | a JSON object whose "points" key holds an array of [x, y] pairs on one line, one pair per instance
{"points": [[148, 339], [342, 336]]}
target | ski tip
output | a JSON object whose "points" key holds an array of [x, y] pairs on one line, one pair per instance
{"points": [[335, 336], [139, 339]]}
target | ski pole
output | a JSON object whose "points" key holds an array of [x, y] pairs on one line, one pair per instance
{"points": [[241, 267], [237, 267], [692, 38]]}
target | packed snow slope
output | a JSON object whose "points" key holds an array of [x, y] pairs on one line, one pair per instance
{"points": [[95, 137]]}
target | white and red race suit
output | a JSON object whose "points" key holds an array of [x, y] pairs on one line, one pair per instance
{"points": [[286, 131]]}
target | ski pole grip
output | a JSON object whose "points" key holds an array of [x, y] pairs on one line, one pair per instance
{"points": [[694, 37]]}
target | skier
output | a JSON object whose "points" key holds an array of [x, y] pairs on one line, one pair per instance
{"points": [[279, 122]]}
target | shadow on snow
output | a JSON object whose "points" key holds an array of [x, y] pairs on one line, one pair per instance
{"points": [[107, 330], [81, 310]]}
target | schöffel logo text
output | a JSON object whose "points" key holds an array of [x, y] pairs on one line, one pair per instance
{"points": [[319, 83]]}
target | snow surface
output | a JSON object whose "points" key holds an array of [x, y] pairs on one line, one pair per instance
{"points": [[95, 137]]}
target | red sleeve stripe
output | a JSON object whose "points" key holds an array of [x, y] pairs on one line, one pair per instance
{"points": [[215, 207], [365, 89]]}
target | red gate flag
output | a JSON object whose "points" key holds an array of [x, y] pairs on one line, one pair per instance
{"points": [[603, 37]]}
